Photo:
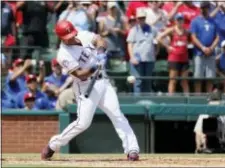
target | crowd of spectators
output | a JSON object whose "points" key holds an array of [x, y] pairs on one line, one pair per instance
{"points": [[140, 32]]}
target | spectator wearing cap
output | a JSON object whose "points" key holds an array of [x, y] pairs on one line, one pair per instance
{"points": [[32, 86], [156, 17], [15, 81], [220, 62], [113, 29], [29, 101], [205, 38], [55, 83], [178, 53], [219, 16], [142, 52]]}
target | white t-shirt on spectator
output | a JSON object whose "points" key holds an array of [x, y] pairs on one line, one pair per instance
{"points": [[152, 16]]}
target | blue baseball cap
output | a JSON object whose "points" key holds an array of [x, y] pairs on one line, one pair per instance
{"points": [[179, 16]]}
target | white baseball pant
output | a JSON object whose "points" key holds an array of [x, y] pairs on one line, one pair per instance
{"points": [[103, 96]]}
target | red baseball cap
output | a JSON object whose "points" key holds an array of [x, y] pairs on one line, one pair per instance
{"points": [[65, 30], [31, 77], [28, 96], [54, 62], [18, 61]]}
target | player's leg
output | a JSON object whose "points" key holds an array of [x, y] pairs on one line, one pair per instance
{"points": [[110, 105], [85, 111]]}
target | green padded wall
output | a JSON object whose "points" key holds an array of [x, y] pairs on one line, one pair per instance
{"points": [[155, 99], [101, 136], [197, 100]]}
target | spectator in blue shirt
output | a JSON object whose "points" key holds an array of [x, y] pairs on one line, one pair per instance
{"points": [[6, 101], [32, 86], [55, 83], [15, 81], [219, 16], [205, 39]]}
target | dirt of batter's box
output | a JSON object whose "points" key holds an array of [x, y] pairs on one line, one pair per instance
{"points": [[119, 161]]}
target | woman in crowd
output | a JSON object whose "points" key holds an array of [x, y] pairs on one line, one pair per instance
{"points": [[113, 29], [178, 53]]}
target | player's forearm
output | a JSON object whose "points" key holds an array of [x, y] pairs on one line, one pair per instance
{"points": [[68, 81], [84, 73], [17, 73], [173, 12], [196, 42], [214, 12], [41, 74], [213, 46], [130, 50]]}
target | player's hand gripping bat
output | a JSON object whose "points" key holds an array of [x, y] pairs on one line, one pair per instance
{"points": [[92, 83]]}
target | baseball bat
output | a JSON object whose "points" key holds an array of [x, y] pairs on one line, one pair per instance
{"points": [[91, 85]]}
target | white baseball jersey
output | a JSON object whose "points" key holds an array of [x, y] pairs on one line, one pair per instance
{"points": [[73, 57], [102, 95]]}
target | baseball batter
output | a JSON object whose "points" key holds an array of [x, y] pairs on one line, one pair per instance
{"points": [[78, 56]]}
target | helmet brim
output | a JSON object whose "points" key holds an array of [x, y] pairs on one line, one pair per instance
{"points": [[69, 36]]}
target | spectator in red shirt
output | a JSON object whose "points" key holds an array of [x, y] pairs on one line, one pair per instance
{"points": [[134, 5], [178, 53]]}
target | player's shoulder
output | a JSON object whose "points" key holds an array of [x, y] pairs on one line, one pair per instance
{"points": [[86, 37], [67, 54]]}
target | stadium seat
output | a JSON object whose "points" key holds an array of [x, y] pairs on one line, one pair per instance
{"points": [[118, 68], [161, 66]]}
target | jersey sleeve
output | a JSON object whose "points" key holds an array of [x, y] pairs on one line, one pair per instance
{"points": [[67, 62], [86, 37]]}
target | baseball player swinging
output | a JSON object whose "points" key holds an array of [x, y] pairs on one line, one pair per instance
{"points": [[77, 55]]}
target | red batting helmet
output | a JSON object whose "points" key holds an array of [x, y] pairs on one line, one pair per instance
{"points": [[65, 30]]}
